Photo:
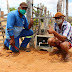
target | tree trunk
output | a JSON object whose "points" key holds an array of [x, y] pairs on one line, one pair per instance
{"points": [[8, 7], [63, 6], [66, 9], [59, 6], [29, 14]]}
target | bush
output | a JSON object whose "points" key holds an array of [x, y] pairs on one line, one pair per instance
{"points": [[71, 24], [11, 9]]}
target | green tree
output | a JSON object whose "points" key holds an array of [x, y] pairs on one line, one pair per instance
{"points": [[11, 9]]}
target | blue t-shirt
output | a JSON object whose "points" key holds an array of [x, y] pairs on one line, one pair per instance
{"points": [[15, 24]]}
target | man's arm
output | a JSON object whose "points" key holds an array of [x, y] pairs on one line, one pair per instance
{"points": [[60, 37], [66, 33], [26, 25], [12, 41], [10, 25]]}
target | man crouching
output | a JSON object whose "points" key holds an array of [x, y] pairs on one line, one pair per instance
{"points": [[62, 35]]}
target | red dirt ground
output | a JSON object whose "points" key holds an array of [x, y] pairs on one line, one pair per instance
{"points": [[34, 61]]}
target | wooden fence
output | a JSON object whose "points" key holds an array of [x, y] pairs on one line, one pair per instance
{"points": [[2, 28]]}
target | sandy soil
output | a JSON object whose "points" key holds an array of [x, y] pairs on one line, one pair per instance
{"points": [[34, 61]]}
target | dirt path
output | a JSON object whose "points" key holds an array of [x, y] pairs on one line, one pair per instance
{"points": [[34, 61]]}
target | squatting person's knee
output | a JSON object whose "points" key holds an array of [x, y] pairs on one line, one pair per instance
{"points": [[64, 45], [50, 41]]}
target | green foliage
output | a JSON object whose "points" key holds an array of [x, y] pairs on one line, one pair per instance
{"points": [[36, 12], [42, 16], [36, 15], [69, 19], [35, 22], [71, 24], [11, 9], [50, 21]]}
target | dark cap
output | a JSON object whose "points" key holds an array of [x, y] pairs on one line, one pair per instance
{"points": [[23, 4]]}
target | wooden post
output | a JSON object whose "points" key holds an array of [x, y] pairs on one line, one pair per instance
{"points": [[39, 29], [29, 11], [41, 25], [29, 14], [63, 6], [66, 9], [39, 21], [48, 20], [32, 8], [48, 13], [59, 6], [8, 7], [45, 21], [0, 17]]}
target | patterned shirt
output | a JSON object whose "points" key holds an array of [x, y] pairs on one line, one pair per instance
{"points": [[66, 30]]}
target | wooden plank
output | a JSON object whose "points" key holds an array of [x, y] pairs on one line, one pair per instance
{"points": [[41, 17], [3, 20], [2, 30], [3, 15], [2, 26], [2, 39], [2, 34], [1, 46], [45, 36], [1, 43]]}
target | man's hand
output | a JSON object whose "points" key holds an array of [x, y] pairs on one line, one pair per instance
{"points": [[12, 41], [31, 23], [50, 30]]}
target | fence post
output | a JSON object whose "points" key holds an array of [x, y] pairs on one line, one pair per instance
{"points": [[8, 7], [59, 6], [45, 21], [39, 28], [0, 17], [39, 20], [29, 14]]}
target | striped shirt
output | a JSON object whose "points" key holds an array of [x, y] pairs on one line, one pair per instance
{"points": [[66, 30]]}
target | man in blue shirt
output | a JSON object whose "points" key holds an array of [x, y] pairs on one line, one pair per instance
{"points": [[62, 35], [17, 26]]}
